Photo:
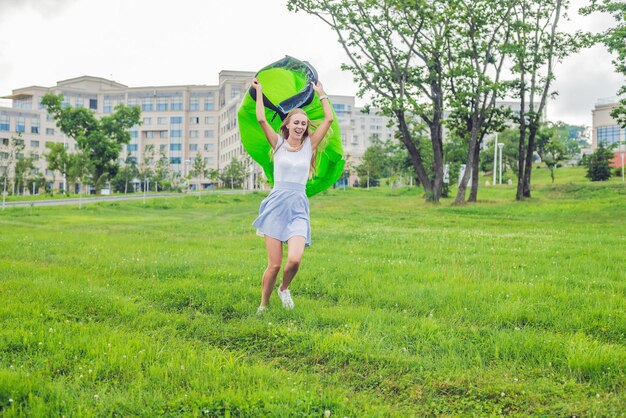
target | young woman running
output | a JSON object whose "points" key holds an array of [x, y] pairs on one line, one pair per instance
{"points": [[284, 213]]}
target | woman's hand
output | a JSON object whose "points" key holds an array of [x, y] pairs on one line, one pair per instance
{"points": [[318, 88], [256, 85]]}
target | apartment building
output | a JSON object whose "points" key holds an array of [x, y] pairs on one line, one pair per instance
{"points": [[604, 129], [178, 122]]}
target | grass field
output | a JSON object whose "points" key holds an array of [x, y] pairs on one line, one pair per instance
{"points": [[402, 308]]}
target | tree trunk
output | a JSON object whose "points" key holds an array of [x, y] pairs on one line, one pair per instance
{"points": [[436, 133], [474, 191], [529, 158], [460, 195], [416, 159], [435, 137], [520, 163]]}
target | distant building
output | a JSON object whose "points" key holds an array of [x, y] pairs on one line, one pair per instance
{"points": [[604, 129], [177, 121]]}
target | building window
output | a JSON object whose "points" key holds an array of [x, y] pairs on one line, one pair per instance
{"points": [[132, 101], [131, 147], [193, 134], [133, 134], [50, 131], [34, 125], [175, 160], [208, 147], [209, 102], [194, 120], [177, 103], [20, 124], [193, 147], [609, 135], [162, 120], [162, 147], [147, 105], [34, 144], [235, 91], [149, 134], [162, 104], [209, 160], [147, 121], [210, 133], [175, 147], [79, 102], [209, 120], [4, 123], [176, 133], [163, 134], [23, 103], [193, 103], [93, 104], [176, 120]]}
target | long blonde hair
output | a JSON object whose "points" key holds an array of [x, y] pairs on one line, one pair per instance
{"points": [[284, 133]]}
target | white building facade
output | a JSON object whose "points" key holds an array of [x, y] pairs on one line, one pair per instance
{"points": [[178, 122]]}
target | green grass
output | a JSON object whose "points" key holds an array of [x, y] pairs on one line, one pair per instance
{"points": [[402, 308]]}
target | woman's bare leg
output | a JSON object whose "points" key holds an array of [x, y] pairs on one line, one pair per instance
{"points": [[274, 260], [295, 249]]}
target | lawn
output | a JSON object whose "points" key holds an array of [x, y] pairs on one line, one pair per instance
{"points": [[402, 308]]}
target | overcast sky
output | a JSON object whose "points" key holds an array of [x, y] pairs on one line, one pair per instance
{"points": [[162, 42]]}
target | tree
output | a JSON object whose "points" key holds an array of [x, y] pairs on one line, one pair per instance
{"points": [[162, 174], [11, 152], [199, 169], [234, 174], [145, 171], [23, 169], [396, 53], [71, 166], [100, 140], [56, 159], [551, 146], [125, 175], [615, 41], [476, 49], [598, 164], [373, 163], [536, 48], [213, 175]]}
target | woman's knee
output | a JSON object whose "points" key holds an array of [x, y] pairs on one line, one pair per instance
{"points": [[273, 267], [293, 262]]}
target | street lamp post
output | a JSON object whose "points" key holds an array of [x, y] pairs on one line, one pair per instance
{"points": [[187, 162], [500, 145], [495, 158]]}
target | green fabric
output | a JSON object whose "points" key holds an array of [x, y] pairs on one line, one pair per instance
{"points": [[279, 83]]}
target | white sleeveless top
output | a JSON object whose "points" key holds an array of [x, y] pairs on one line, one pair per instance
{"points": [[290, 166]]}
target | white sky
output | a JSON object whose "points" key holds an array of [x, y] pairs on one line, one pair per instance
{"points": [[161, 42]]}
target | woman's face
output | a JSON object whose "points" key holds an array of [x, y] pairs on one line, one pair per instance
{"points": [[297, 125]]}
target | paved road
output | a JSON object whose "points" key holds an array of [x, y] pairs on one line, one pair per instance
{"points": [[85, 200]]}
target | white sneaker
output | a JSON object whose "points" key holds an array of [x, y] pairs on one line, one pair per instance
{"points": [[285, 297], [260, 310]]}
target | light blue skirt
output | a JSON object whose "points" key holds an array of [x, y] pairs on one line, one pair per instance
{"points": [[284, 213]]}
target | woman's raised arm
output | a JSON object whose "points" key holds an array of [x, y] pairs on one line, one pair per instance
{"points": [[320, 132], [271, 136]]}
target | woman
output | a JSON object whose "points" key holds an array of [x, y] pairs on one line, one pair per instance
{"points": [[284, 213]]}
